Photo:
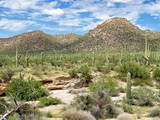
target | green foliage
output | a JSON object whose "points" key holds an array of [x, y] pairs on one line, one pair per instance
{"points": [[86, 76], [127, 108], [142, 97], [49, 101], [98, 103], [49, 114], [29, 89], [7, 72], [155, 112], [106, 83], [2, 109], [13, 117], [139, 73], [73, 73], [156, 73]]}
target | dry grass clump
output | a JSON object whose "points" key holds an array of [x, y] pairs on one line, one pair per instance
{"points": [[155, 111], [74, 114], [77, 91], [125, 116]]}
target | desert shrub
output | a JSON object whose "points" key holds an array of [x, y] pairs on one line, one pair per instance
{"points": [[86, 76], [122, 90], [73, 73], [74, 114], [2, 109], [125, 116], [49, 114], [7, 72], [105, 83], [142, 97], [155, 111], [49, 101], [98, 103], [156, 73], [139, 73], [14, 117], [127, 108], [77, 91], [29, 89]]}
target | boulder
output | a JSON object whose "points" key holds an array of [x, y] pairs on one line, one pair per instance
{"points": [[3, 88]]}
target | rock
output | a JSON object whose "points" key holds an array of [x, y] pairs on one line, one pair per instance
{"points": [[63, 78], [46, 80], [56, 87], [3, 88]]}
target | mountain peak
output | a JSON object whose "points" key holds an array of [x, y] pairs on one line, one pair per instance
{"points": [[117, 21]]}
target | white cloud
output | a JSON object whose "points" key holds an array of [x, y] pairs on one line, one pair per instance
{"points": [[19, 4], [53, 12], [66, 0], [15, 25], [69, 22]]}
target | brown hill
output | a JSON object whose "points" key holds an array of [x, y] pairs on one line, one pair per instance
{"points": [[36, 40], [116, 34]]}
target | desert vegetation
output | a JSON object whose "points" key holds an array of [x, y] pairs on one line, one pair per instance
{"points": [[80, 86]]}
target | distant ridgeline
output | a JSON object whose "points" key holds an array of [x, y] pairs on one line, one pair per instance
{"points": [[116, 34]]}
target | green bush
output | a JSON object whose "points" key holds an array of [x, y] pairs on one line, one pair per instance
{"points": [[127, 108], [2, 109], [156, 73], [7, 72], [155, 112], [73, 73], [139, 73], [49, 101], [86, 76], [142, 97], [29, 89], [49, 114], [99, 103], [105, 83]]}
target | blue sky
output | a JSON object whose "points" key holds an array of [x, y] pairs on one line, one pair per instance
{"points": [[77, 16]]}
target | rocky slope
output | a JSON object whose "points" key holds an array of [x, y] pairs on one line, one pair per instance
{"points": [[36, 40], [117, 34], [114, 34]]}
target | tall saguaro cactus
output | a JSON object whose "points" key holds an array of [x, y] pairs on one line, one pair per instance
{"points": [[27, 60], [16, 56], [128, 86], [147, 51], [42, 58]]}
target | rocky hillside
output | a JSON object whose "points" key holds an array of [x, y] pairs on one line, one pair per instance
{"points": [[114, 34], [117, 34], [36, 40]]}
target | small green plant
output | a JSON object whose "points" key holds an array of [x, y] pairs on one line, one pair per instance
{"points": [[106, 83], [142, 97], [49, 114], [155, 112], [156, 73], [127, 108], [49, 101], [73, 73], [86, 76], [7, 72], [29, 89]]}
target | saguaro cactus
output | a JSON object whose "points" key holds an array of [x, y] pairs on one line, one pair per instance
{"points": [[128, 86], [42, 58], [147, 51], [27, 60], [16, 56]]}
